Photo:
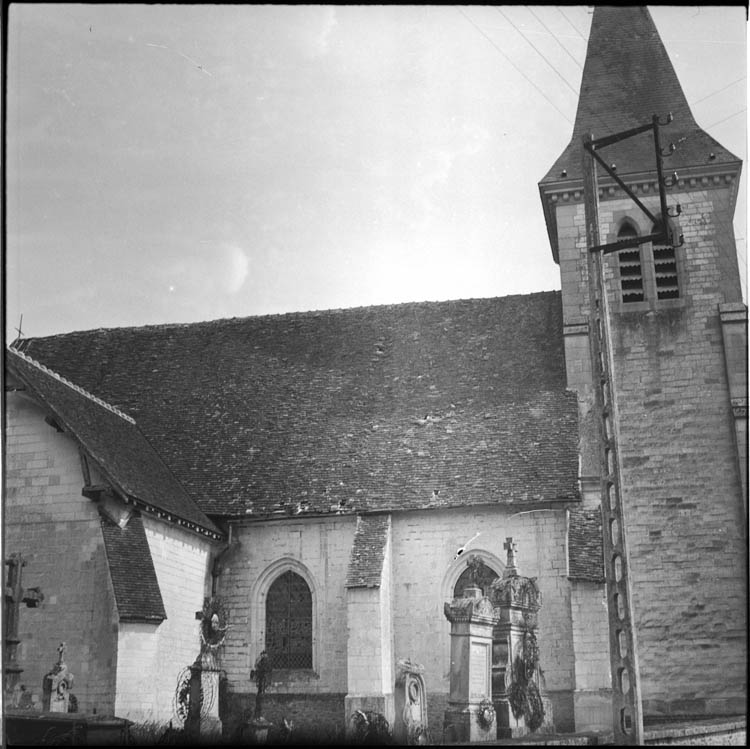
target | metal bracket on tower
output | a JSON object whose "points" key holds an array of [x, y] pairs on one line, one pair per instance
{"points": [[663, 236]]}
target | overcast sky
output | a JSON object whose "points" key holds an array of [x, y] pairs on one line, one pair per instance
{"points": [[182, 163]]}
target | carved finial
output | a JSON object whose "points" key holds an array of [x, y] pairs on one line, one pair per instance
{"points": [[60, 652]]}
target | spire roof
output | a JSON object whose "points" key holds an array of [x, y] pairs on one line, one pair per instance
{"points": [[627, 78]]}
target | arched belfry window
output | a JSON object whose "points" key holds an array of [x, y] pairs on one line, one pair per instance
{"points": [[289, 617], [665, 268], [631, 269]]}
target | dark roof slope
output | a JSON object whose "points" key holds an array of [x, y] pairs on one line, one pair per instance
{"points": [[586, 559], [368, 551], [627, 78], [114, 442], [131, 569], [403, 406]]}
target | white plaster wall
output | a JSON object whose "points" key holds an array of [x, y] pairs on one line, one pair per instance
{"points": [[423, 545], [151, 657], [424, 571]]}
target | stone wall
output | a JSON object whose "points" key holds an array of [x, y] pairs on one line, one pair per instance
{"points": [[423, 575], [681, 485], [424, 572], [58, 532], [318, 718], [318, 550], [593, 693]]}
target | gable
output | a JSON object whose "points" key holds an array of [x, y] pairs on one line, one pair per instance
{"points": [[113, 441]]}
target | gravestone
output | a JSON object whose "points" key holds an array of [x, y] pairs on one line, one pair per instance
{"points": [[469, 715], [56, 685], [15, 595], [410, 697], [203, 718], [518, 703]]}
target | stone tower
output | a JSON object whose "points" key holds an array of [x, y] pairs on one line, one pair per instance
{"points": [[678, 339]]}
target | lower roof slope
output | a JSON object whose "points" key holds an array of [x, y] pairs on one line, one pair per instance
{"points": [[132, 572], [405, 406], [114, 441]]}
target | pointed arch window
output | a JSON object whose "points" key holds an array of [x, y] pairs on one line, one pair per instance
{"points": [[630, 266], [289, 617], [486, 576]]}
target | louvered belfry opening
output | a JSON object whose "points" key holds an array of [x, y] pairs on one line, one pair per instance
{"points": [[665, 270], [289, 622], [631, 270]]}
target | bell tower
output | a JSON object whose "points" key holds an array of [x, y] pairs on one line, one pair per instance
{"points": [[677, 349]]}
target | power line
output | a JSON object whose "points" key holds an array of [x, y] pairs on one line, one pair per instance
{"points": [[708, 96], [534, 47], [557, 72], [726, 118], [567, 119], [575, 28], [554, 36], [719, 91]]}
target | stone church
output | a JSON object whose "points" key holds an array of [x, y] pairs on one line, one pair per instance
{"points": [[319, 472]]}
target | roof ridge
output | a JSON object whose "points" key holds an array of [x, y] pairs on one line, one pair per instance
{"points": [[72, 385], [295, 314]]}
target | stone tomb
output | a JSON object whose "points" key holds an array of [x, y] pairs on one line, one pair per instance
{"points": [[56, 686], [515, 663], [469, 715], [410, 725]]}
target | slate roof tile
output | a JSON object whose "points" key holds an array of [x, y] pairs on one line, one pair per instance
{"points": [[131, 569], [368, 551], [113, 440], [585, 556], [430, 404]]}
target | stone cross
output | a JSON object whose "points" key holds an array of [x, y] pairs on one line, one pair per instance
{"points": [[511, 548], [15, 595]]}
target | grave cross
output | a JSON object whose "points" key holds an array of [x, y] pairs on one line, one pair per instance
{"points": [[14, 596], [511, 547]]}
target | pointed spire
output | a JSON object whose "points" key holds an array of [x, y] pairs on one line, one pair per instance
{"points": [[627, 78]]}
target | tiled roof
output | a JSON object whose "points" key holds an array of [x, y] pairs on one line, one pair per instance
{"points": [[407, 406], [627, 78], [114, 441], [132, 571], [585, 557], [368, 551]]}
